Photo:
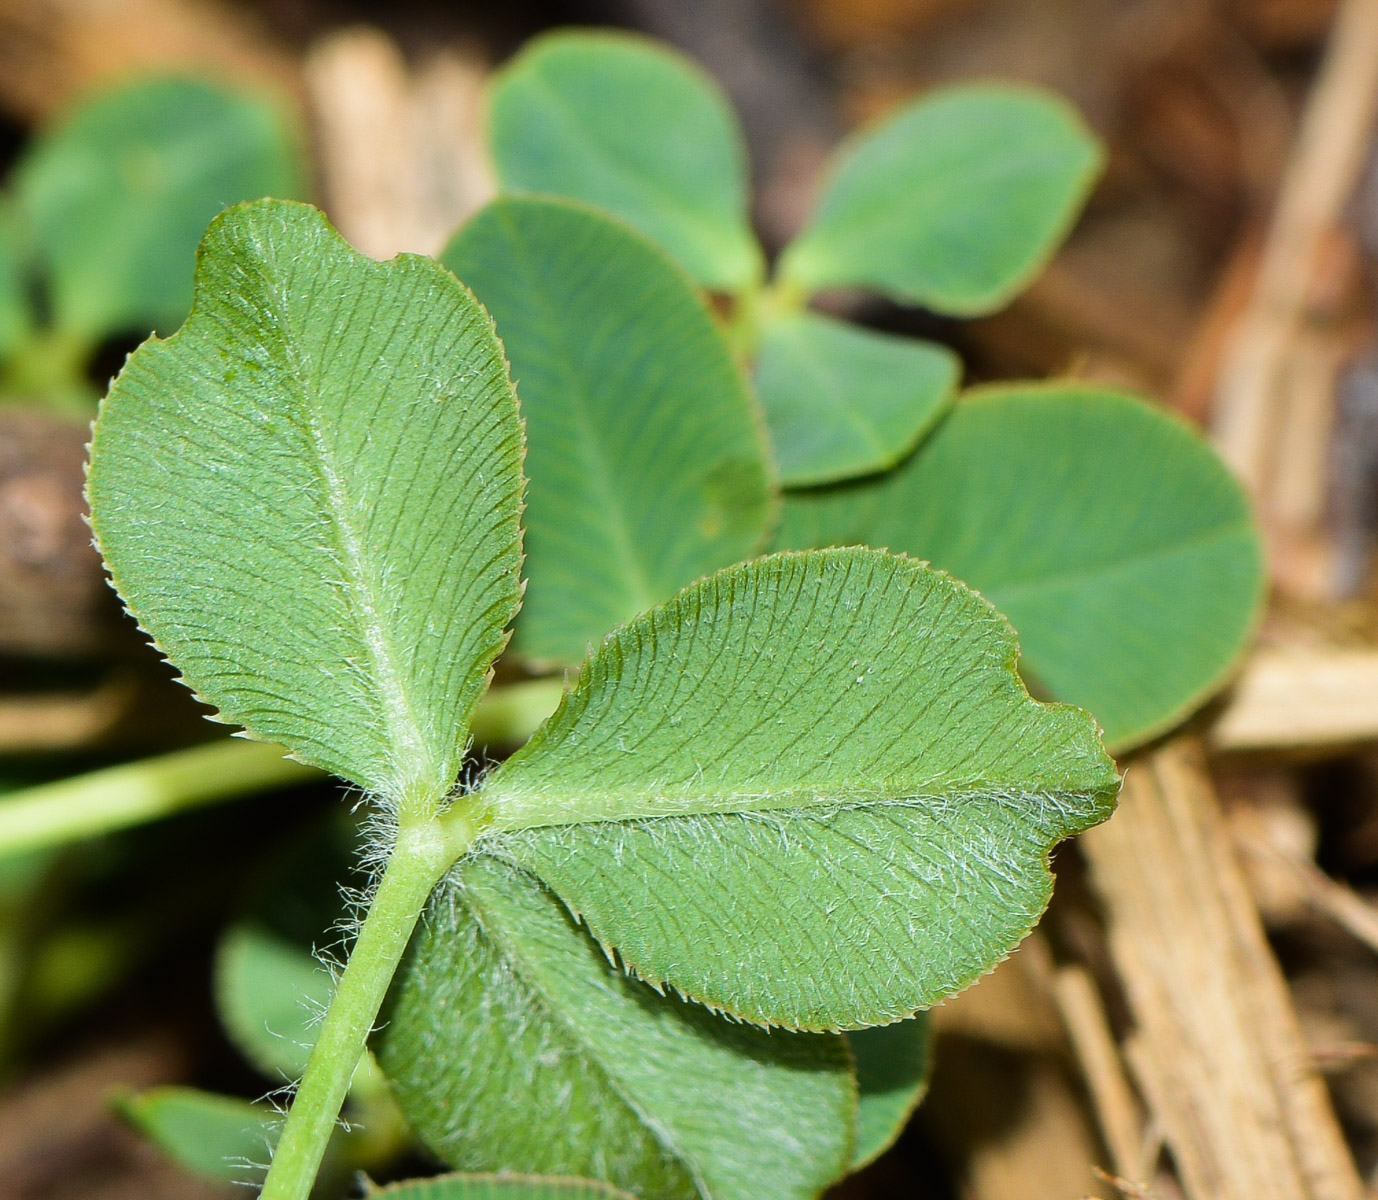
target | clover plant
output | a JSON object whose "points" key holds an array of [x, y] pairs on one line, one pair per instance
{"points": [[1124, 554], [793, 791], [101, 215]]}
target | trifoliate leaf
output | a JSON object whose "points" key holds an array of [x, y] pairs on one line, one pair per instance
{"points": [[310, 495], [810, 791], [513, 1045], [222, 1138], [647, 462], [631, 127], [1108, 532], [499, 1187], [843, 401], [119, 192], [893, 1065], [956, 202]]}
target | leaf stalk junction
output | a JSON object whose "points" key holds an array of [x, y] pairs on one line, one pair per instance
{"points": [[425, 849]]}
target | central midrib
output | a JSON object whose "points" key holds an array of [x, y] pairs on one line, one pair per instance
{"points": [[634, 571], [1000, 593], [835, 393], [501, 939], [800, 802], [407, 744]]}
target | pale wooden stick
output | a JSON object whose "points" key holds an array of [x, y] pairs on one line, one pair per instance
{"points": [[60, 721], [1127, 1187], [401, 155], [1217, 1051], [1118, 1111], [1323, 173], [1301, 697], [1341, 903], [360, 105]]}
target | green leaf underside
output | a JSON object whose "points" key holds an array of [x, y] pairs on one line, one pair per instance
{"points": [[513, 1044], [119, 193], [216, 1137], [629, 126], [647, 462], [309, 497], [842, 401], [500, 1187], [269, 994], [956, 202], [1116, 542], [893, 1065], [809, 791]]}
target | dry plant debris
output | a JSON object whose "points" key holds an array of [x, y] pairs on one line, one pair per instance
{"points": [[1216, 1048]]}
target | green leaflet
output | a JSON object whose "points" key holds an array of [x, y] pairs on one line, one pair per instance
{"points": [[269, 993], [270, 985], [500, 1187], [843, 401], [14, 304], [956, 202], [810, 791], [648, 467], [309, 497], [120, 191], [513, 1044], [215, 1137], [1107, 531], [893, 1065], [626, 124]]}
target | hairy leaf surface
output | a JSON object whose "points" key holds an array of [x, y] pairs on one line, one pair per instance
{"points": [[500, 1187], [513, 1044], [843, 401], [1108, 532], [648, 467], [119, 193], [893, 1065], [310, 496], [955, 202], [810, 791], [629, 126]]}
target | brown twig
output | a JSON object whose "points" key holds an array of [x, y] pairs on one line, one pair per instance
{"points": [[1118, 1112], [1135, 1191], [401, 156], [1341, 903], [1275, 397], [1301, 697], [1217, 1050], [44, 723]]}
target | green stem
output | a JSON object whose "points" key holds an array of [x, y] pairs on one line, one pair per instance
{"points": [[379, 1133], [754, 308], [135, 793], [422, 855]]}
